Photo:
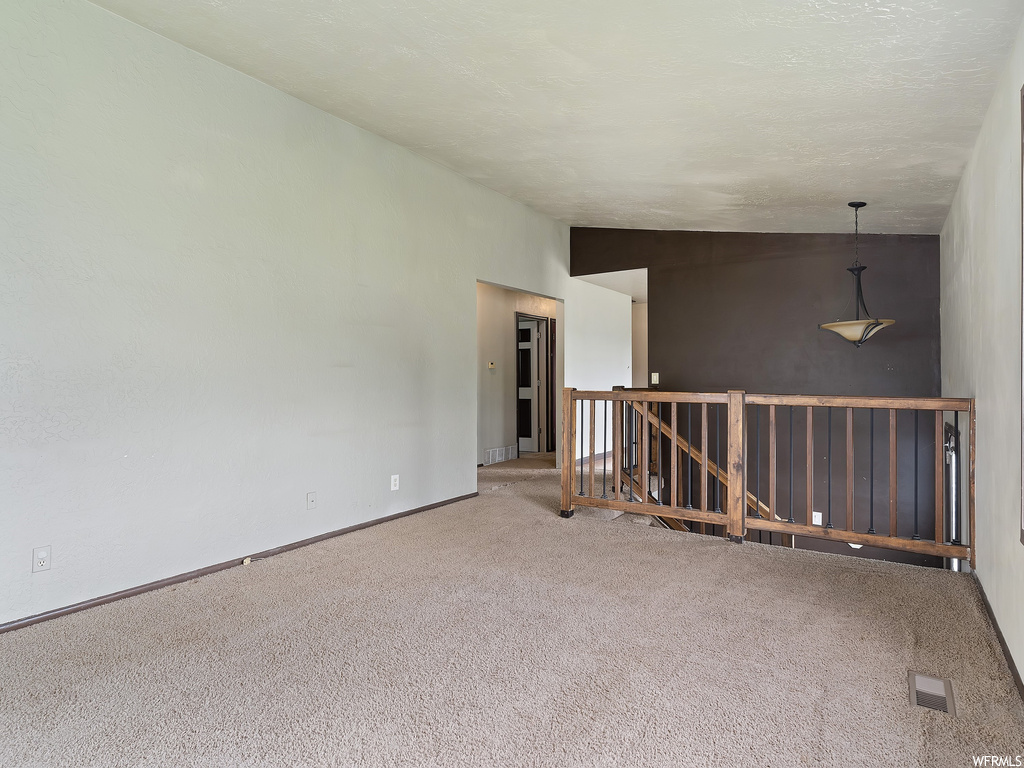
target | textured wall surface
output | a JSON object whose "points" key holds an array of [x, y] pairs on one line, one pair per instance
{"points": [[732, 116], [216, 298], [981, 338], [640, 366]]}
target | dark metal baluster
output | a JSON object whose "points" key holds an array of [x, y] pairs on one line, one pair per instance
{"points": [[580, 431], [661, 486], [956, 501], [637, 449], [624, 427], [829, 524], [689, 456], [851, 501], [623, 447], [627, 447], [871, 481], [791, 520], [917, 418]]}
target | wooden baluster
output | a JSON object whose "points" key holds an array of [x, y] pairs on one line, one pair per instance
{"points": [[939, 477], [893, 490], [627, 436], [757, 461], [604, 449], [849, 469], [593, 446], [618, 458]]}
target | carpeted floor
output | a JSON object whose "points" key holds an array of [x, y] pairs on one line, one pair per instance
{"points": [[494, 633]]}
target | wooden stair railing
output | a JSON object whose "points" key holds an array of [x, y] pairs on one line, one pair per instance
{"points": [[634, 423], [752, 501]]}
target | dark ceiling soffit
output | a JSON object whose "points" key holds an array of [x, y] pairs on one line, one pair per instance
{"points": [[595, 250]]}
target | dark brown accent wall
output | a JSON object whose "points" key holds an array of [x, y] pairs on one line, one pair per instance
{"points": [[741, 310], [734, 310]]}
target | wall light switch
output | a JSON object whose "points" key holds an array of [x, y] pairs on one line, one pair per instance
{"points": [[311, 500], [816, 518], [654, 378]]}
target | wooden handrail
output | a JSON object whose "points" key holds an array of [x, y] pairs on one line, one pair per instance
{"points": [[881, 403], [961, 404], [652, 396]]}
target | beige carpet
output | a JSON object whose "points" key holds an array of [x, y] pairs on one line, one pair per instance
{"points": [[493, 633]]}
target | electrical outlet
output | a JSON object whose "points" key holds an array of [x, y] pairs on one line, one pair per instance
{"points": [[394, 482], [816, 518], [41, 559], [311, 500]]}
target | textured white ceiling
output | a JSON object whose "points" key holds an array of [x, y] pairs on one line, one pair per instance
{"points": [[755, 115]]}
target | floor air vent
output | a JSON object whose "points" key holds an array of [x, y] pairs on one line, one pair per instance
{"points": [[932, 692]]}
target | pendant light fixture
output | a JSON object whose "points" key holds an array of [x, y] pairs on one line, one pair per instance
{"points": [[865, 326]]}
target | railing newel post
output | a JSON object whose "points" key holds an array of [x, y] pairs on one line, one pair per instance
{"points": [[568, 452], [736, 504]]}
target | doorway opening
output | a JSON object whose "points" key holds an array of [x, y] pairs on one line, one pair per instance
{"points": [[510, 369], [535, 384]]}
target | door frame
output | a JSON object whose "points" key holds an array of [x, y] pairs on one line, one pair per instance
{"points": [[548, 418]]}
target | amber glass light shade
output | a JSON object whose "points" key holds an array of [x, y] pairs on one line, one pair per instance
{"points": [[857, 331]]}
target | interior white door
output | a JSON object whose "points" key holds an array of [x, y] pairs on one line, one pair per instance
{"points": [[528, 384]]}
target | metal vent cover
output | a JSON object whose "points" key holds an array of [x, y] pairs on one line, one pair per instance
{"points": [[931, 692]]}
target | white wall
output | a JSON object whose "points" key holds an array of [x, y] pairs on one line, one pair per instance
{"points": [[981, 317], [641, 376], [496, 342], [216, 298]]}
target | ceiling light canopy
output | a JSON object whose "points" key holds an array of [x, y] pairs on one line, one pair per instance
{"points": [[860, 329]]}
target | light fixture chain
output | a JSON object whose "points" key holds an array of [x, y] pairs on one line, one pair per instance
{"points": [[858, 330]]}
